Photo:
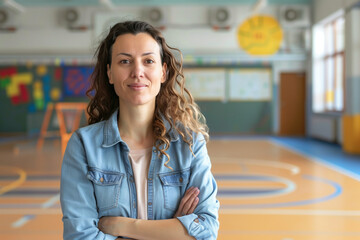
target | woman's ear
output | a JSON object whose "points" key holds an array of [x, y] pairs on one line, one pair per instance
{"points": [[109, 74], [164, 73]]}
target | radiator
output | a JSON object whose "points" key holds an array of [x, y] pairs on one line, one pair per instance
{"points": [[324, 128]]}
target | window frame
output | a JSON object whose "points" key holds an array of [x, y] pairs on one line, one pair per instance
{"points": [[323, 58]]}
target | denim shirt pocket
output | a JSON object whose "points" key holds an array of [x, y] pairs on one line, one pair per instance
{"points": [[174, 186], [106, 187]]}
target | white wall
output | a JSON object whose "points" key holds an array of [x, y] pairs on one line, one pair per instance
{"points": [[324, 8], [353, 60], [352, 43], [40, 31]]}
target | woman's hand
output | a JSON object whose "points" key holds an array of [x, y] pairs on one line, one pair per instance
{"points": [[110, 225], [188, 203]]}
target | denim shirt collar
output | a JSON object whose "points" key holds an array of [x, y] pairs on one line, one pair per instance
{"points": [[112, 134]]}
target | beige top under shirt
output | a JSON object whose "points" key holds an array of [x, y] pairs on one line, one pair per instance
{"points": [[140, 161]]}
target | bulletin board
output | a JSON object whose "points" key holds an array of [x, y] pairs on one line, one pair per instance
{"points": [[36, 85], [206, 84], [76, 80], [26, 90], [30, 85], [250, 85]]}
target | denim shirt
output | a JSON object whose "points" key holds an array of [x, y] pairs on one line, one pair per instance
{"points": [[97, 180]]}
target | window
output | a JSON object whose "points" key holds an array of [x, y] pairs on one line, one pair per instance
{"points": [[329, 65]]}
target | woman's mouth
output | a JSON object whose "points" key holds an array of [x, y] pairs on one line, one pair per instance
{"points": [[137, 86]]}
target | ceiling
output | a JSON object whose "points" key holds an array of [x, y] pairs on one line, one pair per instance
{"points": [[69, 3]]}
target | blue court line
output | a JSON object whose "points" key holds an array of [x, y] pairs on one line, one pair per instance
{"points": [[31, 192], [25, 205], [329, 154], [337, 191], [239, 137], [252, 192], [246, 177], [10, 139], [255, 191]]}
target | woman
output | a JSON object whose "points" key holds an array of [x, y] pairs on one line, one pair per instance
{"points": [[140, 169]]}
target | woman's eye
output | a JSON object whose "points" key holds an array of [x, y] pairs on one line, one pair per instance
{"points": [[124, 61], [149, 61]]}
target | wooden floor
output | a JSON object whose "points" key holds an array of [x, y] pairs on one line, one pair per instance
{"points": [[266, 191]]}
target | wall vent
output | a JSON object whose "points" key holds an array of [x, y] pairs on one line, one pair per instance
{"points": [[156, 16], [221, 17], [7, 20], [294, 16], [74, 19]]}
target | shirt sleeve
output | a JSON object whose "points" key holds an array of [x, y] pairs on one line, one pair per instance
{"points": [[80, 216], [203, 223]]}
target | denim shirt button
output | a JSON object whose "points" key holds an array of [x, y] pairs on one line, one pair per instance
{"points": [[150, 179], [149, 203], [181, 179], [102, 179]]}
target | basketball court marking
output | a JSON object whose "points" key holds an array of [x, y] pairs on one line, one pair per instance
{"points": [[18, 182], [317, 159], [266, 191]]}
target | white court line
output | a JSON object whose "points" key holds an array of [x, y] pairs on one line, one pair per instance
{"points": [[290, 167], [51, 201], [343, 213], [316, 159], [23, 220]]}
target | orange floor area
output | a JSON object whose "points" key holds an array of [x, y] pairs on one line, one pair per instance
{"points": [[266, 191]]}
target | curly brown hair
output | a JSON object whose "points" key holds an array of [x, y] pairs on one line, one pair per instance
{"points": [[174, 102]]}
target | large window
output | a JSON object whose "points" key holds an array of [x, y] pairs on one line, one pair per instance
{"points": [[329, 65]]}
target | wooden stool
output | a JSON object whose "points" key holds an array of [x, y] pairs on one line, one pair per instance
{"points": [[64, 134]]}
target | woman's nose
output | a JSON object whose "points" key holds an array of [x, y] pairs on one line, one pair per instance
{"points": [[138, 70]]}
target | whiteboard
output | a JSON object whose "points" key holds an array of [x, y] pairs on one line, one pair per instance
{"points": [[250, 84], [206, 84]]}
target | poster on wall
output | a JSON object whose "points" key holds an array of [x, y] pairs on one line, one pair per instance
{"points": [[76, 80], [16, 84], [260, 35], [206, 84], [250, 85]]}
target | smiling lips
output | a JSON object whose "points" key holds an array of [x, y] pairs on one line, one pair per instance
{"points": [[137, 86]]}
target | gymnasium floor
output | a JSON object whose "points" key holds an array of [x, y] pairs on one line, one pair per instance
{"points": [[269, 188]]}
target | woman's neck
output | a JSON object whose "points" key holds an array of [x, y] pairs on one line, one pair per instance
{"points": [[136, 126]]}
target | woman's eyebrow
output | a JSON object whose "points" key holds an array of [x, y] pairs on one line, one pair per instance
{"points": [[148, 53], [126, 54], [129, 55]]}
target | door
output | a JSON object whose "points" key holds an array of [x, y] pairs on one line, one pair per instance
{"points": [[292, 104]]}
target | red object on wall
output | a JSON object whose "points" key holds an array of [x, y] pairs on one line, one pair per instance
{"points": [[6, 72], [58, 74], [23, 97]]}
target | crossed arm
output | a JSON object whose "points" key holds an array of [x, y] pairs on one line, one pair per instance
{"points": [[153, 229], [80, 215]]}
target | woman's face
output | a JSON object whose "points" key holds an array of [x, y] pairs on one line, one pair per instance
{"points": [[136, 70]]}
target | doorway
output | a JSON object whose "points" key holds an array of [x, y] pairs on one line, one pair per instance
{"points": [[292, 104]]}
